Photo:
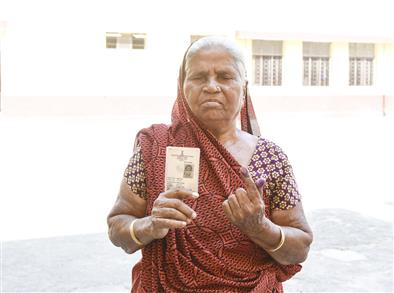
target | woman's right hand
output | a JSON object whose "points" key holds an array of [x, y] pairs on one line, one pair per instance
{"points": [[169, 211]]}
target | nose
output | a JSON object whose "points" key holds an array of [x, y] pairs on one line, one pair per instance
{"points": [[212, 86]]}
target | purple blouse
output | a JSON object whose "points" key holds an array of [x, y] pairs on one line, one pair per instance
{"points": [[268, 161]]}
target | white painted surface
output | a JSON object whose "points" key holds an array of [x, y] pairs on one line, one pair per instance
{"points": [[54, 49], [60, 175], [343, 255]]}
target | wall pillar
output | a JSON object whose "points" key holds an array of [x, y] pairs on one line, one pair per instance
{"points": [[339, 64], [292, 64]]}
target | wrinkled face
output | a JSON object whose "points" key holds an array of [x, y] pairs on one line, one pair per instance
{"points": [[213, 86]]}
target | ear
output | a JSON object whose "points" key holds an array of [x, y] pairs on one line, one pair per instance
{"points": [[245, 89], [244, 94]]}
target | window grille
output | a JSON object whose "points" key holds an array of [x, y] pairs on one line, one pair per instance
{"points": [[316, 64], [267, 70], [111, 42], [361, 64], [267, 62], [115, 40], [138, 41]]}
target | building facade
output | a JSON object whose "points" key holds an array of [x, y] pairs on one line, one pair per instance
{"points": [[98, 57]]}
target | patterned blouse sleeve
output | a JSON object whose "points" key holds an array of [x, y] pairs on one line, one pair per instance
{"points": [[282, 187], [271, 163], [135, 174]]}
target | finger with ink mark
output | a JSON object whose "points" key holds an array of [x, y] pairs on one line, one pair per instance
{"points": [[244, 172], [260, 182]]}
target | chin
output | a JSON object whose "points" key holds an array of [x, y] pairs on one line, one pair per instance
{"points": [[210, 117], [213, 122]]}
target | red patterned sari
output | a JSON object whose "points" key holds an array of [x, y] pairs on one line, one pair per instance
{"points": [[210, 254]]}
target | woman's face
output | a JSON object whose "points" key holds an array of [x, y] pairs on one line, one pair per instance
{"points": [[213, 87]]}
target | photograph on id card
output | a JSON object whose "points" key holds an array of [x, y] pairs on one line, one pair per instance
{"points": [[182, 168]]}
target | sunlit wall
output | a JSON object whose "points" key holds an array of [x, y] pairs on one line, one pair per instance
{"points": [[54, 57]]}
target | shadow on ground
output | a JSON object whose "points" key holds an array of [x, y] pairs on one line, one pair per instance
{"points": [[351, 253]]}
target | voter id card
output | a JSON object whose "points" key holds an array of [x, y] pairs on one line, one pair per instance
{"points": [[182, 168]]}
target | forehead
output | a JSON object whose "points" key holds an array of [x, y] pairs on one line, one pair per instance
{"points": [[211, 58]]}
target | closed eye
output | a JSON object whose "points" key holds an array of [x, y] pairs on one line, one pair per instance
{"points": [[226, 77], [196, 77]]}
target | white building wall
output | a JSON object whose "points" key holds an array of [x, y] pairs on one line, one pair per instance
{"points": [[292, 64], [246, 47], [339, 65], [383, 63], [54, 57]]}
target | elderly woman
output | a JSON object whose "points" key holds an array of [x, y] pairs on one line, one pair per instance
{"points": [[245, 229]]}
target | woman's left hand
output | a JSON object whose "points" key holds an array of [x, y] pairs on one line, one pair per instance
{"points": [[245, 208]]}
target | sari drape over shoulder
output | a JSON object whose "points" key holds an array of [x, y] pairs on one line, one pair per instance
{"points": [[210, 254]]}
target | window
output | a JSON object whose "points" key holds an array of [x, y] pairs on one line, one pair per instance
{"points": [[316, 63], [361, 63], [111, 42], [139, 41], [267, 62], [125, 40]]}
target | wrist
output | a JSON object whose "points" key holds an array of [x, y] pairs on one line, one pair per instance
{"points": [[281, 242], [141, 231], [274, 236], [134, 233], [268, 235], [263, 227]]}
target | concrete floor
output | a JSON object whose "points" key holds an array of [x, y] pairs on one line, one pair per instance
{"points": [[60, 175], [351, 253]]}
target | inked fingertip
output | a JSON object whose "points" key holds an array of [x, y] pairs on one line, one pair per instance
{"points": [[244, 172], [260, 182]]}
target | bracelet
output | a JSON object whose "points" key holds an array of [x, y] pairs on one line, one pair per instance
{"points": [[282, 240], [135, 239]]}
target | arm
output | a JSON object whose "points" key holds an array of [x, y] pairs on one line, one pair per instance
{"points": [[128, 206], [298, 235], [245, 209], [168, 212]]}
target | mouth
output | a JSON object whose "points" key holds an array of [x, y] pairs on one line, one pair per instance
{"points": [[211, 102]]}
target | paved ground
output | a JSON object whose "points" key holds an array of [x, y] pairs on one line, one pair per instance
{"points": [[351, 253], [68, 169]]}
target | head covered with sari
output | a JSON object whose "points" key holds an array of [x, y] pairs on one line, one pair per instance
{"points": [[210, 254]]}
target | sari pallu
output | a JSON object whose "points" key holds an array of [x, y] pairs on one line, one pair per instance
{"points": [[210, 254]]}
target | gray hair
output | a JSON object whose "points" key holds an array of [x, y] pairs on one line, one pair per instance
{"points": [[218, 42]]}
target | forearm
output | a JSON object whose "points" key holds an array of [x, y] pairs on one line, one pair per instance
{"points": [[295, 247], [119, 232]]}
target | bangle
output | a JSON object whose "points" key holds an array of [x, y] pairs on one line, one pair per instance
{"points": [[135, 239], [282, 240]]}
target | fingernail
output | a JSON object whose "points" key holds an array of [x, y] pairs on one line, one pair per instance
{"points": [[194, 215], [244, 172], [260, 182], [195, 194]]}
